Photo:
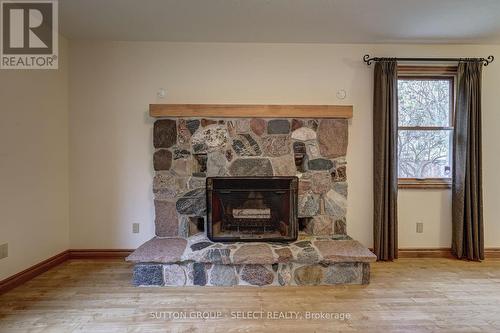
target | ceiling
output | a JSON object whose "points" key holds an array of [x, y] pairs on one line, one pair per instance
{"points": [[283, 21]]}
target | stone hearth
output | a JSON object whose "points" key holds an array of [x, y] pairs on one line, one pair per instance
{"points": [[311, 260], [187, 150]]}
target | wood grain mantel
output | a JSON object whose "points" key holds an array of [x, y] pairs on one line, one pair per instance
{"points": [[250, 111]]}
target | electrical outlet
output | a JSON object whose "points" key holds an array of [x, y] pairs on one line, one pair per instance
{"points": [[420, 227], [135, 228], [4, 250]]}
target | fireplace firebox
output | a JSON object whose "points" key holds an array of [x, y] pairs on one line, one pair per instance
{"points": [[252, 209]]}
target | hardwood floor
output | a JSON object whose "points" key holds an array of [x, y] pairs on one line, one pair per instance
{"points": [[410, 295]]}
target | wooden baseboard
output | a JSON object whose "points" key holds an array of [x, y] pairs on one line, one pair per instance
{"points": [[98, 253], [425, 253], [489, 253], [33, 271], [492, 253]]}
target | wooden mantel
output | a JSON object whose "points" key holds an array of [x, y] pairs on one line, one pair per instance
{"points": [[250, 111]]}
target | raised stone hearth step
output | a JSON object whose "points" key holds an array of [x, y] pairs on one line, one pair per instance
{"points": [[306, 250], [311, 260], [204, 274]]}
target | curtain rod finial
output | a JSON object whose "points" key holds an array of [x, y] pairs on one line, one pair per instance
{"points": [[366, 58], [488, 60]]}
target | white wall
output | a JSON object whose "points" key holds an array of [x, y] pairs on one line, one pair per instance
{"points": [[112, 83], [433, 208], [34, 204]]}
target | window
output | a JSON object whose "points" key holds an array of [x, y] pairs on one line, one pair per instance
{"points": [[425, 130]]}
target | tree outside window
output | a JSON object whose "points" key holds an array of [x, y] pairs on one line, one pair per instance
{"points": [[425, 128]]}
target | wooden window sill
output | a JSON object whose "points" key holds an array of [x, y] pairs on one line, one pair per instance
{"points": [[424, 184]]}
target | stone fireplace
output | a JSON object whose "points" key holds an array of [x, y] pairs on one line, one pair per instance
{"points": [[189, 150], [278, 183]]}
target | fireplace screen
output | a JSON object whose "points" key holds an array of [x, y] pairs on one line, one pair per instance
{"points": [[252, 208]]}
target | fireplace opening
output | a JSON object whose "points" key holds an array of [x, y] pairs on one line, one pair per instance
{"points": [[252, 209]]}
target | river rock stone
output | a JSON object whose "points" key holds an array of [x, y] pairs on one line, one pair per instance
{"points": [[299, 154], [308, 255], [183, 132], [312, 124], [284, 275], [196, 182], [339, 174], [200, 246], [184, 225], [320, 225], [304, 185], [321, 182], [161, 250], [199, 274], [162, 159], [278, 126], [245, 145], [312, 150], [275, 146], [319, 164], [216, 256], [308, 205], [181, 153], [344, 273], [200, 148], [340, 227], [335, 204], [251, 167], [174, 275], [199, 163], [164, 133], [209, 139], [181, 167], [284, 166], [207, 122], [297, 123], [341, 188], [332, 137], [147, 275], [309, 275], [253, 254], [216, 164], [192, 125], [257, 275], [231, 128], [192, 203], [366, 273], [242, 126], [284, 254], [229, 155], [258, 126], [304, 134], [166, 219], [223, 275]]}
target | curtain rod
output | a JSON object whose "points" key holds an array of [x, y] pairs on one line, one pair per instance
{"points": [[485, 61]]}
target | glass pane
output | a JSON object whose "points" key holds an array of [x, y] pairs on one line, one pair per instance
{"points": [[424, 102], [424, 154]]}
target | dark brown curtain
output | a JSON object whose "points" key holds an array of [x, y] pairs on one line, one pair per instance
{"points": [[385, 177], [467, 215]]}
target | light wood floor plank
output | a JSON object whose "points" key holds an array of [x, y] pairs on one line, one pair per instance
{"points": [[410, 295]]}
